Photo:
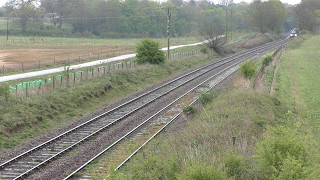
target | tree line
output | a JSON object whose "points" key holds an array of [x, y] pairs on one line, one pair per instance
{"points": [[144, 18]]}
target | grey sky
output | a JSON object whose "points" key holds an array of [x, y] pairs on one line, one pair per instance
{"points": [[2, 2]]}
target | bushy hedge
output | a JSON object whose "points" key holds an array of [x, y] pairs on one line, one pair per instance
{"points": [[267, 60], [149, 51], [247, 69], [283, 155]]}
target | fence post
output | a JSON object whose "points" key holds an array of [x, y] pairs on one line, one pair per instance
{"points": [[16, 91], [81, 77], [98, 71], [61, 81], [68, 78], [27, 90], [39, 88], [53, 82], [87, 73]]}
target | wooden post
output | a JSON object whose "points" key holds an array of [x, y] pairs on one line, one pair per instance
{"points": [[16, 91], [233, 140], [53, 82], [39, 88], [27, 89], [61, 81], [68, 78], [87, 74], [74, 78], [81, 76], [98, 71]]}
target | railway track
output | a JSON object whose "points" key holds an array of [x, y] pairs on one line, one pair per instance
{"points": [[33, 159]]}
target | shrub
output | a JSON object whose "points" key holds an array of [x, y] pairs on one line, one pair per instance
{"points": [[204, 49], [189, 110], [267, 60], [206, 97], [234, 165], [149, 51], [277, 152], [4, 91], [201, 172], [247, 69]]}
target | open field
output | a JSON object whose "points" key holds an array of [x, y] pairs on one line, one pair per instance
{"points": [[46, 49]]}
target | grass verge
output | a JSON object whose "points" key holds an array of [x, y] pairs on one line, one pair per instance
{"points": [[275, 137], [23, 119]]}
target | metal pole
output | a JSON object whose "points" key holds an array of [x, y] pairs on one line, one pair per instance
{"points": [[168, 31]]}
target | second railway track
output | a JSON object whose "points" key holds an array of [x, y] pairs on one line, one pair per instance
{"points": [[33, 159]]}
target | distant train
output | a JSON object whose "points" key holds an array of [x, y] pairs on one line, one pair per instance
{"points": [[294, 32]]}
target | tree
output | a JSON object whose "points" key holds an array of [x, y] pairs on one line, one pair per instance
{"points": [[226, 6], [268, 15], [213, 35], [149, 51], [306, 14], [24, 10]]}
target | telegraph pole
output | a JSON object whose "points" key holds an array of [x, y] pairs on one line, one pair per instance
{"points": [[168, 31]]}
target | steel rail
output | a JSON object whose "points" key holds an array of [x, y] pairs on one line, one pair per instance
{"points": [[147, 120], [175, 117], [150, 118], [118, 107]]}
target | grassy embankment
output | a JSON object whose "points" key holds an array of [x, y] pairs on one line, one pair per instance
{"points": [[277, 137], [26, 118]]}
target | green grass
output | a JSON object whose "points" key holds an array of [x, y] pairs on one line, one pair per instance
{"points": [[206, 141], [276, 137], [26, 118], [298, 82]]}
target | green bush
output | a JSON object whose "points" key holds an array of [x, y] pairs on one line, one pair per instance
{"points": [[278, 151], [149, 51], [247, 69], [267, 60], [234, 165], [206, 97], [4, 91], [189, 110], [204, 49], [201, 172]]}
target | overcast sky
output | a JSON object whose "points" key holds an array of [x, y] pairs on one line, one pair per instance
{"points": [[2, 2]]}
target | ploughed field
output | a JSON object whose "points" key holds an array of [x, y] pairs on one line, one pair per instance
{"points": [[49, 49]]}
